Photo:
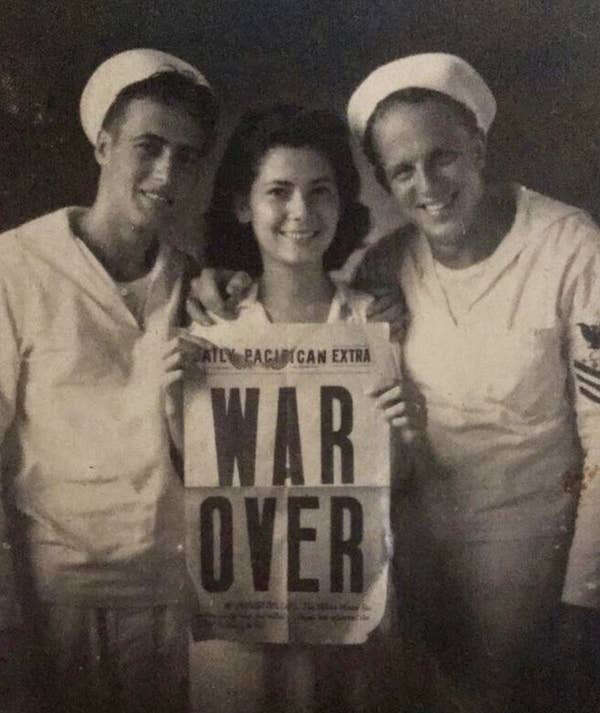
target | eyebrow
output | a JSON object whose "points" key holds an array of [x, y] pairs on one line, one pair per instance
{"points": [[149, 135], [283, 182], [433, 154], [447, 149]]}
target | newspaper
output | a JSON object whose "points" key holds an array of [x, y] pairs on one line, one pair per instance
{"points": [[287, 474]]}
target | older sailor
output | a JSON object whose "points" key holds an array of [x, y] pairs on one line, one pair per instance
{"points": [[502, 284]]}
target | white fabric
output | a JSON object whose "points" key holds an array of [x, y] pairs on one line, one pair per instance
{"points": [[461, 287], [505, 413], [347, 305], [118, 72], [86, 444], [135, 294], [438, 71], [229, 675]]}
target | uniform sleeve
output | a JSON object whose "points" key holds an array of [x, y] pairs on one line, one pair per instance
{"points": [[9, 376], [582, 316], [380, 263]]}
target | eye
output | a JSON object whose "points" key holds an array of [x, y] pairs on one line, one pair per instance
{"points": [[445, 158], [402, 173], [322, 189], [188, 157], [148, 148], [277, 192]]}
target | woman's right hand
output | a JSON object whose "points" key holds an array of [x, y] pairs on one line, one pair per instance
{"points": [[180, 353]]}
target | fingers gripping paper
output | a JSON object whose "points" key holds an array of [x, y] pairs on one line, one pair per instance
{"points": [[287, 484]]}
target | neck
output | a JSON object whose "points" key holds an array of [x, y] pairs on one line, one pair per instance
{"points": [[296, 293], [125, 251], [492, 221]]}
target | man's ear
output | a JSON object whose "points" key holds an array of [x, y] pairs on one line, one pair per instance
{"points": [[103, 146], [241, 206], [480, 149]]}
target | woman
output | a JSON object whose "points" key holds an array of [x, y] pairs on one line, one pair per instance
{"points": [[285, 208]]}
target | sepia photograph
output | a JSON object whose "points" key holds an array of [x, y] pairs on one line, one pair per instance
{"points": [[300, 356]]}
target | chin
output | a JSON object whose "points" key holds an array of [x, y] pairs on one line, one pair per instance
{"points": [[154, 222], [445, 234], [446, 241]]}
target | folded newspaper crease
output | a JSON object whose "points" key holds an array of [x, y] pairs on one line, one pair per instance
{"points": [[287, 483]]}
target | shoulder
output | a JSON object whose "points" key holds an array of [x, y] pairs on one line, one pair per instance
{"points": [[391, 246], [33, 234], [555, 225], [24, 258], [561, 246], [50, 222], [380, 263]]}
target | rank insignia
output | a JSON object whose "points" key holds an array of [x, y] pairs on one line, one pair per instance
{"points": [[588, 381], [591, 334]]}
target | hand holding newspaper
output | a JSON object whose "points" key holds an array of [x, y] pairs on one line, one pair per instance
{"points": [[287, 483]]}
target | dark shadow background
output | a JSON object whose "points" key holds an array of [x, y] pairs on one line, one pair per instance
{"points": [[540, 57]]}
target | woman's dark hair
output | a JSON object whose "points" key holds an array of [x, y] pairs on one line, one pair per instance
{"points": [[233, 245], [173, 89], [411, 95]]}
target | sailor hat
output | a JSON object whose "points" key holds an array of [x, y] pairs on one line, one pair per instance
{"points": [[438, 71], [118, 72]]}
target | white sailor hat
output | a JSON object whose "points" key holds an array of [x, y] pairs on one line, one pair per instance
{"points": [[118, 72], [438, 71]]}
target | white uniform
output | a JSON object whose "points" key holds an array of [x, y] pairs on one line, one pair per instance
{"points": [[85, 451], [507, 361]]}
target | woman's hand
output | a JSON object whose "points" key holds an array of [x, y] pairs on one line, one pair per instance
{"points": [[218, 291], [401, 414], [181, 353]]}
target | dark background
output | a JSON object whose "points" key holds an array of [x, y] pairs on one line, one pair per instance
{"points": [[540, 57]]}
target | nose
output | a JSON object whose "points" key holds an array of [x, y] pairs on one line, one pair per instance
{"points": [[162, 168], [425, 179], [297, 206]]}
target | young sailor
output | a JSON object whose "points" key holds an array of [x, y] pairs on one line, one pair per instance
{"points": [[88, 299]]}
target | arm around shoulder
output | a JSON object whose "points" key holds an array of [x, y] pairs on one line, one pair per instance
{"points": [[381, 262]]}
